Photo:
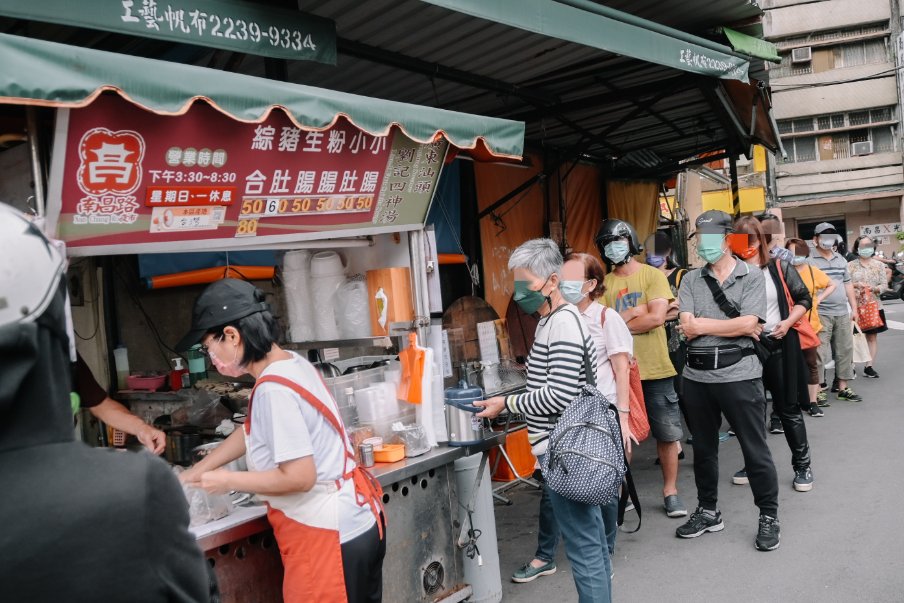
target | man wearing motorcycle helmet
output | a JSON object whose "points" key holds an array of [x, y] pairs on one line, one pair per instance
{"points": [[82, 524], [641, 295]]}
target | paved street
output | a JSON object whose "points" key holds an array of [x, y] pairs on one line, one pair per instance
{"points": [[843, 541]]}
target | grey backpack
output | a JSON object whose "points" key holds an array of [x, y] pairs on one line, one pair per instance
{"points": [[585, 461]]}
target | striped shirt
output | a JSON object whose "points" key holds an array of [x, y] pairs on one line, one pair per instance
{"points": [[555, 373], [837, 269]]}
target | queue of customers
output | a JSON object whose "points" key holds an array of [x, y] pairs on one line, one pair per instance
{"points": [[763, 314]]}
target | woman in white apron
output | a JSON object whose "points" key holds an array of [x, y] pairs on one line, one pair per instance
{"points": [[326, 512]]}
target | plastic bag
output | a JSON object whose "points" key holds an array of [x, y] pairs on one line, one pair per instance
{"points": [[413, 436], [203, 507], [351, 309], [861, 347], [205, 409]]}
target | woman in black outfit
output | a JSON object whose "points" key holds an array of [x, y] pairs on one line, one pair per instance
{"points": [[784, 372]]}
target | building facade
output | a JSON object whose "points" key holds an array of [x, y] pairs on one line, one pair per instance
{"points": [[836, 100]]}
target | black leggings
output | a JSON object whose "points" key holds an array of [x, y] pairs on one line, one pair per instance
{"points": [[788, 411], [362, 563]]}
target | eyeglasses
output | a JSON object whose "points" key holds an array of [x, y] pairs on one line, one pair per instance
{"points": [[205, 349]]}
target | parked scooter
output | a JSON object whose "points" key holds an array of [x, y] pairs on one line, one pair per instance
{"points": [[896, 285]]}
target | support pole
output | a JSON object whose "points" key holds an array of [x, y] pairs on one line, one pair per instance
{"points": [[34, 150], [735, 190]]}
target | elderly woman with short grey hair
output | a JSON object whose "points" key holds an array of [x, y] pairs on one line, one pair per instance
{"points": [[555, 376]]}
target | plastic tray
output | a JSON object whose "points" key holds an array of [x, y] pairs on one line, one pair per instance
{"points": [[390, 453]]}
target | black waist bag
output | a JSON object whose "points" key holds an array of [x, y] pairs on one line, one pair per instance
{"points": [[731, 311]]}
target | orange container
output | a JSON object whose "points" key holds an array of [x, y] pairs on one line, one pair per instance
{"points": [[518, 449], [389, 293], [389, 453]]}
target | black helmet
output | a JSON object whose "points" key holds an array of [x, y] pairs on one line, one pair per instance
{"points": [[610, 230]]}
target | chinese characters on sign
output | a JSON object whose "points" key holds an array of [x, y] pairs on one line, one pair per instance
{"points": [[236, 25], [873, 230], [186, 182]]}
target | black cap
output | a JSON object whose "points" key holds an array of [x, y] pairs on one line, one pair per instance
{"points": [[222, 302], [713, 221]]}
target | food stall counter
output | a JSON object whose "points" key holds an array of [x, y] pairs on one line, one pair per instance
{"points": [[390, 473]]}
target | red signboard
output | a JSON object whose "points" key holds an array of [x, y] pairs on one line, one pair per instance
{"points": [[124, 180]]}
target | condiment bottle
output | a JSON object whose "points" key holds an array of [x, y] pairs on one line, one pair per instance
{"points": [[177, 381]]}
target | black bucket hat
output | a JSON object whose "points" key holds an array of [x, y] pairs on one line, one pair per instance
{"points": [[222, 302]]}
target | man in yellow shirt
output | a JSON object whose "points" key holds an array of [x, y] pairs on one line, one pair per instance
{"points": [[641, 295]]}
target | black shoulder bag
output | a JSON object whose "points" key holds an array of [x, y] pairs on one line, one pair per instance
{"points": [[731, 311]]}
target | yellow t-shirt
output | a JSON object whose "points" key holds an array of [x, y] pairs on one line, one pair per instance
{"points": [[816, 280], [645, 285]]}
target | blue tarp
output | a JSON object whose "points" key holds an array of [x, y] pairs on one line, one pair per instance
{"points": [[445, 213], [155, 264]]}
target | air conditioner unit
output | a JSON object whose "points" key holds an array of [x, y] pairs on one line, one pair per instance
{"points": [[862, 148], [802, 55]]}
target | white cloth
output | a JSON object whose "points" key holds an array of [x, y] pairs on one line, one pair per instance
{"points": [[773, 315], [285, 427], [613, 338]]}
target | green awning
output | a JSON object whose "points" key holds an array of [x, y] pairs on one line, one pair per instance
{"points": [[754, 47], [35, 72], [591, 24]]}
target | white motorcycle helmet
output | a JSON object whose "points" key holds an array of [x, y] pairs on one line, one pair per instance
{"points": [[30, 268]]}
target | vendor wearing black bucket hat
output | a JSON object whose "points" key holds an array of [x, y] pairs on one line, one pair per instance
{"points": [[326, 512]]}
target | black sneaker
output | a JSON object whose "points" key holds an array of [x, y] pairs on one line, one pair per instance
{"points": [[834, 385], [740, 478], [803, 480], [870, 372], [815, 411], [701, 521], [768, 534], [775, 425], [823, 387], [849, 395]]}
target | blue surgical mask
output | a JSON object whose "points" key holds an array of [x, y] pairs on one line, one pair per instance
{"points": [[616, 251], [799, 260], [780, 253], [655, 261], [866, 252], [709, 247], [572, 291]]}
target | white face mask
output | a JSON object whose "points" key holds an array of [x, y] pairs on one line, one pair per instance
{"points": [[233, 369], [827, 241]]}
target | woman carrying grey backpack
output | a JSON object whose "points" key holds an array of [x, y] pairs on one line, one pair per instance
{"points": [[557, 374]]}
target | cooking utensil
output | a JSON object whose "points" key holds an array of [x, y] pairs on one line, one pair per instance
{"points": [[328, 370], [180, 442], [465, 428]]}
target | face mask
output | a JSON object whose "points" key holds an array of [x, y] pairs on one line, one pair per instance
{"points": [[827, 242], [655, 260], [573, 291], [780, 253], [866, 252], [233, 369], [528, 299], [740, 246], [709, 247], [616, 251], [799, 260]]}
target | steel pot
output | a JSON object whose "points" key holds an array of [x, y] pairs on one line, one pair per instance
{"points": [[465, 428], [180, 442]]}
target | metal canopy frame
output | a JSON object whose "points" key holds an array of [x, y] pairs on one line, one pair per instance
{"points": [[577, 100]]}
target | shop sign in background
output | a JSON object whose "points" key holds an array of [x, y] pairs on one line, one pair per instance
{"points": [[227, 24], [122, 176]]}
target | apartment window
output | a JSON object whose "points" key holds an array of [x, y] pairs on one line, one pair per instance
{"points": [[803, 125], [858, 118], [785, 127], [823, 123], [877, 115], [883, 139], [858, 136], [800, 149], [838, 120], [860, 53]]}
